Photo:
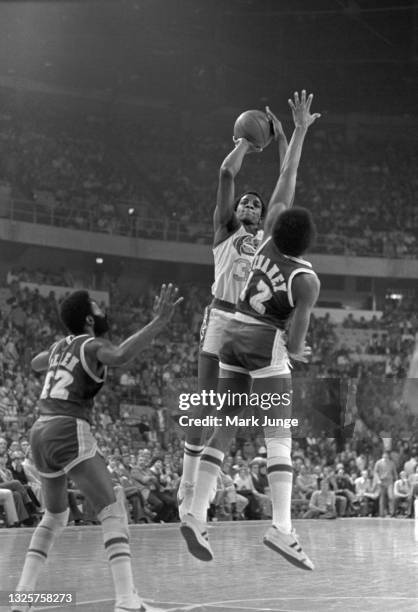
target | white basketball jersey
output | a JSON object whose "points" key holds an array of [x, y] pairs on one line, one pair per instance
{"points": [[233, 258]]}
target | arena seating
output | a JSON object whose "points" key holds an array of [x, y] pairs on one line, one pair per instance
{"points": [[89, 178]]}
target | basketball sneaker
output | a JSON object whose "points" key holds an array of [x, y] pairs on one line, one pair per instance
{"points": [[130, 603], [185, 498], [196, 536], [287, 545]]}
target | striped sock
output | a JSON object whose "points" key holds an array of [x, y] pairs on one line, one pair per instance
{"points": [[280, 477], [42, 540], [209, 468], [191, 458], [118, 553]]}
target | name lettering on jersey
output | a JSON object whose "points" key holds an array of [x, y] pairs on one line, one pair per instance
{"points": [[67, 361], [263, 263]]}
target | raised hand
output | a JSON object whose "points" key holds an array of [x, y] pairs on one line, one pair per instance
{"points": [[165, 303], [276, 123], [301, 108]]}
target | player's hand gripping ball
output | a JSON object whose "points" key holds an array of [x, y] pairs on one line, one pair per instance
{"points": [[256, 127]]}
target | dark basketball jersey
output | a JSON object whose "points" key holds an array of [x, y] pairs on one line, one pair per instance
{"points": [[70, 385], [267, 295]]}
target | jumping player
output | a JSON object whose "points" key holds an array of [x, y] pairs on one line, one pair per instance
{"points": [[62, 442], [282, 288], [237, 234]]}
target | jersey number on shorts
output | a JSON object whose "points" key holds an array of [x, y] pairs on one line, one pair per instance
{"points": [[56, 384]]}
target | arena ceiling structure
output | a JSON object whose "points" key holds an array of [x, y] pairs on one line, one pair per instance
{"points": [[202, 54]]}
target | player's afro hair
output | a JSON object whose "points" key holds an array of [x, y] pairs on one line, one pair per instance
{"points": [[294, 231], [255, 193], [74, 310]]}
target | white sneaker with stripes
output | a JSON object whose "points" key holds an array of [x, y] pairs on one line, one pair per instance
{"points": [[196, 535], [287, 545], [130, 603]]}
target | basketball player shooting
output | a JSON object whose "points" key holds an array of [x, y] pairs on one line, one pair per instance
{"points": [[62, 442], [282, 288], [237, 233]]}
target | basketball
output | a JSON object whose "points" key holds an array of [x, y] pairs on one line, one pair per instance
{"points": [[255, 126]]}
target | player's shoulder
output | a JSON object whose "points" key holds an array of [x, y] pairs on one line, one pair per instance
{"points": [[90, 360], [293, 262], [306, 286], [60, 345], [295, 266], [69, 341], [93, 343], [228, 232], [306, 278]]}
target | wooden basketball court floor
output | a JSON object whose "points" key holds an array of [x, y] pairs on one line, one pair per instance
{"points": [[361, 565]]}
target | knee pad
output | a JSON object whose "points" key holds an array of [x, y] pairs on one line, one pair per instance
{"points": [[278, 447], [113, 517], [55, 521]]}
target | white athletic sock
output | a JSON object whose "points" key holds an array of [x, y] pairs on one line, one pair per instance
{"points": [[209, 468], [280, 477], [118, 553], [191, 458], [42, 540]]}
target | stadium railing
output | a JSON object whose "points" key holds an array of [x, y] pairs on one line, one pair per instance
{"points": [[133, 226]]}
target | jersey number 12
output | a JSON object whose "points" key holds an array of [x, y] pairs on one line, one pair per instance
{"points": [[56, 384]]}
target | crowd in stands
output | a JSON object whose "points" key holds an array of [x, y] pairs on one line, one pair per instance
{"points": [[135, 180], [38, 276], [333, 477], [147, 476]]}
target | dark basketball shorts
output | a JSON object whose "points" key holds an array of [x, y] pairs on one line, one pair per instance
{"points": [[255, 349], [214, 324], [59, 443]]}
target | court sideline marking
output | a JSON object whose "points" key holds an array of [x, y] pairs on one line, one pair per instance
{"points": [[191, 606]]}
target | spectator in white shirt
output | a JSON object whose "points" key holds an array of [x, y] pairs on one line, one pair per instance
{"points": [[402, 494]]}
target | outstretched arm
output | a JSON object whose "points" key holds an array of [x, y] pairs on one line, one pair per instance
{"points": [[103, 351], [284, 191], [224, 219], [279, 136]]}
